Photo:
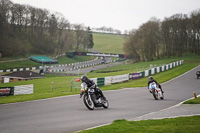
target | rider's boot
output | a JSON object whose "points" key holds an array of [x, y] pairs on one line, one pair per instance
{"points": [[161, 88], [101, 93]]}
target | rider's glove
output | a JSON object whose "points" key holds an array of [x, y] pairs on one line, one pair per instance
{"points": [[81, 94]]}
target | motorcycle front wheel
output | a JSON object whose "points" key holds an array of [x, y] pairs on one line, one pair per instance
{"points": [[88, 103], [105, 104], [155, 94]]}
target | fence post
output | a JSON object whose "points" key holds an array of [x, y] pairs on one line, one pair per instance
{"points": [[52, 86]]}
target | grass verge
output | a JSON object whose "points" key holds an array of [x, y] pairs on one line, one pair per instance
{"points": [[193, 101], [172, 125]]}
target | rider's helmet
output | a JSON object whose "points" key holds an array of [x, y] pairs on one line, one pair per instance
{"points": [[84, 78], [151, 78]]}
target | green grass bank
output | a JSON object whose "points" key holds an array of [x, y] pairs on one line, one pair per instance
{"points": [[173, 125], [108, 43], [193, 101]]}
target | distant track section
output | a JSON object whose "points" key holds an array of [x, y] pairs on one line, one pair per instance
{"points": [[72, 54]]}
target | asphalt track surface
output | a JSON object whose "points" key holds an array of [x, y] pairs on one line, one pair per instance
{"points": [[89, 69], [69, 114]]}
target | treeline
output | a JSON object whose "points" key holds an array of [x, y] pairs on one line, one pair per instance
{"points": [[25, 29], [173, 36], [105, 29]]}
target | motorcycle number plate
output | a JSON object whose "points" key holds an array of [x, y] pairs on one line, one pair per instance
{"points": [[91, 90]]}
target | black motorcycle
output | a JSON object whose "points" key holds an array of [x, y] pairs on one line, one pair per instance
{"points": [[198, 74], [92, 99]]}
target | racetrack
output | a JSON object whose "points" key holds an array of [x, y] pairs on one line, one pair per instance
{"points": [[69, 114]]}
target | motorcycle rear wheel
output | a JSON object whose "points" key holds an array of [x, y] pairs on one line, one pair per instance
{"points": [[89, 104], [162, 97]]}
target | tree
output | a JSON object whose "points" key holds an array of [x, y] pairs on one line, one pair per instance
{"points": [[81, 37], [173, 36], [91, 43]]}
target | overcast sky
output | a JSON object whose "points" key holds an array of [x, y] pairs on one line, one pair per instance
{"points": [[118, 14]]}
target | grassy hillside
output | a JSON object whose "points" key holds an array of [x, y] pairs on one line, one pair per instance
{"points": [[108, 43]]}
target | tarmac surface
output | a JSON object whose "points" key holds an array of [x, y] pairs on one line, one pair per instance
{"points": [[68, 113], [180, 110]]}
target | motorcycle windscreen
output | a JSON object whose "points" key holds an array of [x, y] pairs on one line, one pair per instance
{"points": [[83, 87], [153, 85]]}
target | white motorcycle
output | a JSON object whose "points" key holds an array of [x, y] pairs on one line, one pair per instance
{"points": [[156, 91]]}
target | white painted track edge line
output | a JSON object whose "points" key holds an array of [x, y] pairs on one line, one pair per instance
{"points": [[132, 119], [159, 118], [93, 127], [163, 109]]}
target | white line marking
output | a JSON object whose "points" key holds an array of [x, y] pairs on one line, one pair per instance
{"points": [[163, 109], [149, 114], [169, 117], [94, 127]]}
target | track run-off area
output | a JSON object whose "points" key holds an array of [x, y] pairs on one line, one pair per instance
{"points": [[68, 113]]}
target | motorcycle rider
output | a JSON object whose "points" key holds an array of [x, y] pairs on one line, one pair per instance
{"points": [[152, 80], [91, 85], [198, 73]]}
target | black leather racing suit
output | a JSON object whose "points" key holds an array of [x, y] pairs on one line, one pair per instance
{"points": [[92, 85]]}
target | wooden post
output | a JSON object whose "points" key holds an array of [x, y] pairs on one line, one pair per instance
{"points": [[195, 96], [52, 86]]}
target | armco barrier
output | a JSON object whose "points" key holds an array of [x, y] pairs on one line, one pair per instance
{"points": [[111, 80], [107, 81], [152, 71], [16, 90], [95, 80], [6, 91], [100, 81], [134, 76], [23, 89], [142, 74], [119, 78], [160, 69]]}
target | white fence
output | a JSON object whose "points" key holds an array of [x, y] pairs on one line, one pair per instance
{"points": [[23, 89]]}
